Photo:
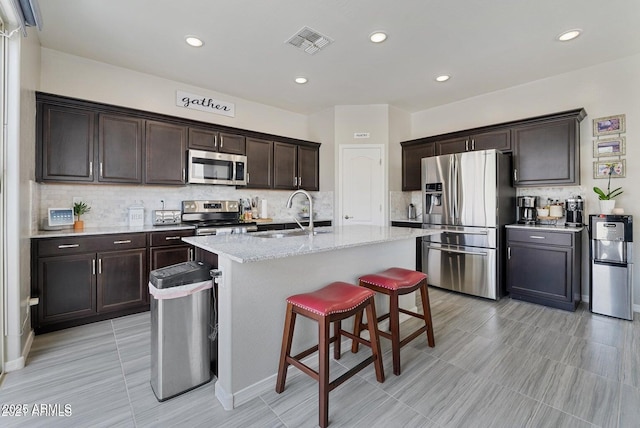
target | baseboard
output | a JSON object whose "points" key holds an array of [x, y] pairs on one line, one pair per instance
{"points": [[224, 397], [19, 363]]}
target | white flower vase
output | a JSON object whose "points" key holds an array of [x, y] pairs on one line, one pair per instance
{"points": [[607, 206]]}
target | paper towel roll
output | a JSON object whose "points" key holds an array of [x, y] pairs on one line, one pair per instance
{"points": [[263, 209]]}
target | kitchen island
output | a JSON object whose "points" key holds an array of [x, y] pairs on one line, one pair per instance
{"points": [[259, 271]]}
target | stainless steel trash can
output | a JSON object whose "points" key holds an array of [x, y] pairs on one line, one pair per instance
{"points": [[180, 316]]}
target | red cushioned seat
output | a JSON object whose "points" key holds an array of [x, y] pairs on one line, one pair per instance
{"points": [[394, 278], [334, 298]]}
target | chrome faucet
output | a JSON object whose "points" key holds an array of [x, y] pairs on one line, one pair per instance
{"points": [[290, 201]]}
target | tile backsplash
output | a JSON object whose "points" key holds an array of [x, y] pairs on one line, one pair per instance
{"points": [[110, 203]]}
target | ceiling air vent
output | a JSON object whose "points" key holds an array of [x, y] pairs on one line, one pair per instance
{"points": [[309, 40]]}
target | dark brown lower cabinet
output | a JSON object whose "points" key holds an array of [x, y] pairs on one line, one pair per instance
{"points": [[82, 279], [67, 287], [121, 279], [544, 267], [167, 256]]}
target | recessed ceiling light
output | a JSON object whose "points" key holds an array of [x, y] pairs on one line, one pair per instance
{"points": [[378, 37], [569, 35], [301, 80], [193, 41], [443, 78]]}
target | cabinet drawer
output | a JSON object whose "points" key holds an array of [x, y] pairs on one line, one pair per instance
{"points": [[68, 245], [89, 244], [533, 236], [121, 242], [169, 237]]}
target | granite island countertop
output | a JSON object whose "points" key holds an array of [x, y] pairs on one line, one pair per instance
{"points": [[254, 247]]}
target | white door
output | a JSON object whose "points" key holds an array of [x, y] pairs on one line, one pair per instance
{"points": [[361, 178]]}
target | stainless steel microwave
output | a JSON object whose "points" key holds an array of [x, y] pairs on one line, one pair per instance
{"points": [[216, 168]]}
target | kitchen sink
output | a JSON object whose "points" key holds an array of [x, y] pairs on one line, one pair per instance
{"points": [[280, 234]]}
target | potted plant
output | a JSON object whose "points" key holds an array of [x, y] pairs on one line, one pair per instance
{"points": [[80, 208], [607, 201]]}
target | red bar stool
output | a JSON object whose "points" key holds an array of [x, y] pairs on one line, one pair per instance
{"points": [[396, 282], [331, 304]]}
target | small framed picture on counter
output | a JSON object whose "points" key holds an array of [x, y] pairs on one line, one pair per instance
{"points": [[608, 125], [601, 169], [609, 147]]}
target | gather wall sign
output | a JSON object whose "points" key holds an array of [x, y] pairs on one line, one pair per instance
{"points": [[207, 104]]}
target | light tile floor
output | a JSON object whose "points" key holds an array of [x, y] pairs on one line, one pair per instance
{"points": [[495, 364]]}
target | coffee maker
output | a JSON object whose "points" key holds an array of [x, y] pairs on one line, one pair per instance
{"points": [[575, 209], [527, 209]]}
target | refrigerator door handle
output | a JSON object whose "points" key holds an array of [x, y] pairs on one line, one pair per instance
{"points": [[466, 232], [451, 250]]}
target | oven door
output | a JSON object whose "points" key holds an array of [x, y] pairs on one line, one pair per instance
{"points": [[216, 168], [470, 270]]}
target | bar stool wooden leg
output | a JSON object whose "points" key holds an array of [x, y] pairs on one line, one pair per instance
{"points": [[394, 328], [426, 308], [374, 339], [287, 338], [357, 329], [323, 372], [337, 326]]}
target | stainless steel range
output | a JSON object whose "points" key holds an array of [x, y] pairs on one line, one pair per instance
{"points": [[215, 217]]}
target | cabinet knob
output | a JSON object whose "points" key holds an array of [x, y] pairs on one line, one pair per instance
{"points": [[346, 217]]}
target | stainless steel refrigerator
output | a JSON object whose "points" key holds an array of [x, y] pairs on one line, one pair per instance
{"points": [[470, 197]]}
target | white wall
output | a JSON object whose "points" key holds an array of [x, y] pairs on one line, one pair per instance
{"points": [[322, 128], [78, 77], [23, 76], [603, 90]]}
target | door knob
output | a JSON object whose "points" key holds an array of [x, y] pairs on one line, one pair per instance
{"points": [[347, 217]]}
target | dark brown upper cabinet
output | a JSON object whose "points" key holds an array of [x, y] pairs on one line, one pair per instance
{"points": [[546, 149], [498, 139], [412, 155], [308, 168], [119, 149], [166, 146], [65, 143], [259, 163], [214, 141], [547, 153], [87, 142], [295, 167]]}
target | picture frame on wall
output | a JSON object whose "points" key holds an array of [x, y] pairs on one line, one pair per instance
{"points": [[601, 169], [609, 147], [609, 125]]}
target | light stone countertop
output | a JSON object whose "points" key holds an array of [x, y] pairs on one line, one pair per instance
{"points": [[549, 227], [107, 230], [254, 247]]}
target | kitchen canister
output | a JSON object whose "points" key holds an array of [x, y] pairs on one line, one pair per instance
{"points": [[555, 210], [263, 209], [136, 216]]}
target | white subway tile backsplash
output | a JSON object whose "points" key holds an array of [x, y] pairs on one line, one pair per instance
{"points": [[110, 203]]}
